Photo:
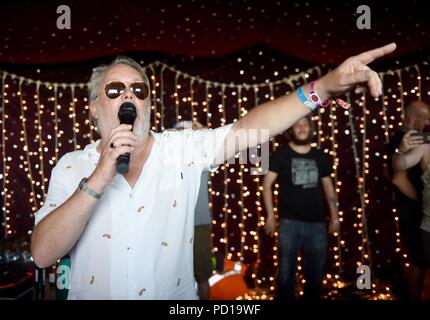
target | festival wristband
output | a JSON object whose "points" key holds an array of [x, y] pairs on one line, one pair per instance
{"points": [[305, 100], [315, 100]]}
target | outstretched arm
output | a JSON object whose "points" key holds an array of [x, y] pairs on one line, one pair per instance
{"points": [[280, 114]]}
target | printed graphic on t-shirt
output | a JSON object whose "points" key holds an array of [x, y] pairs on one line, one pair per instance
{"points": [[304, 172]]}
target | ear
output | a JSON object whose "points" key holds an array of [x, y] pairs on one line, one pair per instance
{"points": [[93, 110]]}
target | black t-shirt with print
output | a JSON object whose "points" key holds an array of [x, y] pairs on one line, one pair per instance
{"points": [[299, 177]]}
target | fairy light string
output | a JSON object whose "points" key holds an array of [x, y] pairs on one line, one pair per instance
{"points": [[419, 88], [400, 85], [337, 253], [24, 139], [154, 112], [5, 191], [226, 210], [275, 255], [243, 210], [259, 210], [72, 110], [384, 114], [55, 113], [163, 68], [191, 99], [40, 112]]}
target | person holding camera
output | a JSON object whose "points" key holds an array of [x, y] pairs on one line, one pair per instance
{"points": [[409, 188]]}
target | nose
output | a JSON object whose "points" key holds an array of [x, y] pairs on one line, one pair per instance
{"points": [[128, 95]]}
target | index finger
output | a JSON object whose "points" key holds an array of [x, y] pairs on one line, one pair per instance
{"points": [[122, 126], [368, 56]]}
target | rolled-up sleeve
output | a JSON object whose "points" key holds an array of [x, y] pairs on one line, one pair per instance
{"points": [[58, 190]]}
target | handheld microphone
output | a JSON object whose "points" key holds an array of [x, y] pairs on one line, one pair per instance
{"points": [[127, 115]]}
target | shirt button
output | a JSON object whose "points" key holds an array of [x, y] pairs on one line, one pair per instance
{"points": [[140, 210], [141, 291]]}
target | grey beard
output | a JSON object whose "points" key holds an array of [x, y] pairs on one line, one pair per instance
{"points": [[140, 126], [141, 129]]}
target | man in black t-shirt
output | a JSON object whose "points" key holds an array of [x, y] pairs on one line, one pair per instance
{"points": [[408, 195], [304, 175]]}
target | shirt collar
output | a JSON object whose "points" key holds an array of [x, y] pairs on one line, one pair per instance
{"points": [[91, 149]]}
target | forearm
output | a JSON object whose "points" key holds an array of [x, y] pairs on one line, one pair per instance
{"points": [[276, 116], [408, 160], [268, 200], [402, 182], [58, 232], [332, 204], [331, 198], [399, 163]]}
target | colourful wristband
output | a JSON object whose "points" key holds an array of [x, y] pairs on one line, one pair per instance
{"points": [[315, 98], [305, 100]]}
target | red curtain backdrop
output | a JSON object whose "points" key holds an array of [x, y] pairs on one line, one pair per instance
{"points": [[214, 58]]}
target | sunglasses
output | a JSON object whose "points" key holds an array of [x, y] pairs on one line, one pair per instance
{"points": [[115, 89]]}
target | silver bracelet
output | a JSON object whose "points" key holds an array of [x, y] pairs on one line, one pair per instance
{"points": [[83, 186]]}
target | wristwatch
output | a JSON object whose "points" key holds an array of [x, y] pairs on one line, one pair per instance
{"points": [[83, 185]]}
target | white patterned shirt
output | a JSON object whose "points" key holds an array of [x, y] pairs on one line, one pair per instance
{"points": [[138, 242]]}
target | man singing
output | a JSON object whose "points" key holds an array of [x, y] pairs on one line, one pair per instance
{"points": [[131, 236]]}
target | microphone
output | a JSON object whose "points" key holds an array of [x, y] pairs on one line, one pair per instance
{"points": [[127, 115]]}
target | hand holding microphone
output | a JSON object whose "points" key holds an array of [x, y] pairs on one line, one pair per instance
{"points": [[115, 153]]}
